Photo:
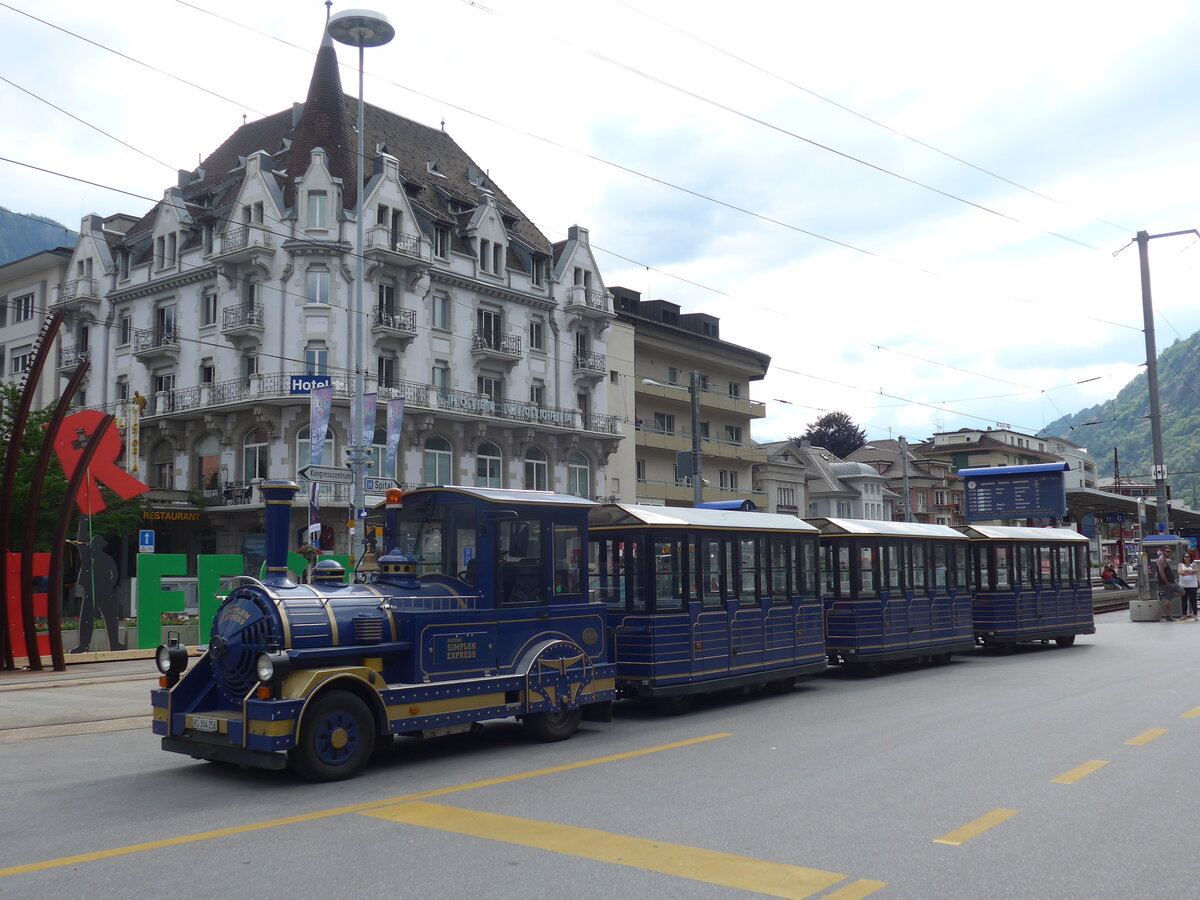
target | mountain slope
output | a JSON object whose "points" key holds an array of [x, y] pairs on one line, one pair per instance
{"points": [[1124, 421]]}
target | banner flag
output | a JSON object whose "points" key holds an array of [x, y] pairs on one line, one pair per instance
{"points": [[368, 434], [318, 428], [395, 418]]}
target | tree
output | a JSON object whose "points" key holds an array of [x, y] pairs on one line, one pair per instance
{"points": [[120, 516], [836, 432]]}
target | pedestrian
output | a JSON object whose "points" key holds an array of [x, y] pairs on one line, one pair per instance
{"points": [[1111, 579], [1167, 579], [1189, 582]]}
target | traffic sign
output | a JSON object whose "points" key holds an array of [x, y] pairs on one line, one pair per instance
{"points": [[146, 541], [379, 485], [327, 474]]}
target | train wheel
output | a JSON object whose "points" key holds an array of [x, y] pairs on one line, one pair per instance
{"points": [[553, 726], [1065, 640], [337, 738]]}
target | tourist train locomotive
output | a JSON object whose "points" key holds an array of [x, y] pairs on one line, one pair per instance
{"points": [[493, 604]]}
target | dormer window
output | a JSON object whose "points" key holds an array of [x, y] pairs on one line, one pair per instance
{"points": [[441, 242], [537, 271], [318, 209]]}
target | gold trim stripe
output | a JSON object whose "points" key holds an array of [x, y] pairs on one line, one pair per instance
{"points": [[696, 864]]}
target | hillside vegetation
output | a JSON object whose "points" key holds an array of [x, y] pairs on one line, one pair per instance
{"points": [[1124, 422]]}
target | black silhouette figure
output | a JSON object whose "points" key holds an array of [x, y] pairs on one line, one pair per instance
{"points": [[98, 575]]}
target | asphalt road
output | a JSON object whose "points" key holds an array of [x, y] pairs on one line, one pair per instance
{"points": [[1048, 773]]}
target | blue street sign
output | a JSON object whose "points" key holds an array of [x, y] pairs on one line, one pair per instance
{"points": [[146, 541]]}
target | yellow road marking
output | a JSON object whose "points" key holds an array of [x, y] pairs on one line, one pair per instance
{"points": [[1191, 713], [960, 836], [709, 866], [336, 811], [1147, 736], [856, 890], [1079, 772]]}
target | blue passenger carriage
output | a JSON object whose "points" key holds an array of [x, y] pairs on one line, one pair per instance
{"points": [[893, 591], [1030, 584], [480, 611], [701, 600]]}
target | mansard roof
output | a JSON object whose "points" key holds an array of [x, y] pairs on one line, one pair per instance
{"points": [[441, 179]]}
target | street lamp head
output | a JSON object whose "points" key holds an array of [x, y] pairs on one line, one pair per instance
{"points": [[360, 28]]}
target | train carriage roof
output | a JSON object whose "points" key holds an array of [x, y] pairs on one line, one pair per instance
{"points": [[879, 528], [630, 515], [1021, 533], [508, 497]]}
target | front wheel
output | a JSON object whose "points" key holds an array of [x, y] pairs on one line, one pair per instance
{"points": [[553, 726], [337, 737]]}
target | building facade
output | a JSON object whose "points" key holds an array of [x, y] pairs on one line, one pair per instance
{"points": [[212, 316], [27, 291], [668, 347], [935, 496]]}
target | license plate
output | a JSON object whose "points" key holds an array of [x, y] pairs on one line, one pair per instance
{"points": [[204, 723]]}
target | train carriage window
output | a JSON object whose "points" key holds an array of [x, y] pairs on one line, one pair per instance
{"points": [[1045, 565], [635, 577], [606, 576], [1022, 566], [568, 560], [1003, 568], [522, 563], [440, 537], [779, 559], [668, 575], [918, 577], [1064, 563], [958, 571], [894, 557], [1082, 573], [808, 573], [709, 552], [978, 577], [747, 562], [940, 565], [841, 567], [868, 569], [729, 567]]}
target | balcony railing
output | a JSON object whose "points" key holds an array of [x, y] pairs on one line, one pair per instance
{"points": [[70, 357], [152, 340], [242, 237], [591, 362], [588, 298], [396, 319], [242, 315], [278, 386], [509, 344], [77, 288]]}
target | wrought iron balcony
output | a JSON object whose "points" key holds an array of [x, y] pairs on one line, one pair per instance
{"points": [[78, 289]]}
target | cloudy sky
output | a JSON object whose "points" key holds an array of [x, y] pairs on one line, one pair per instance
{"points": [[913, 208]]}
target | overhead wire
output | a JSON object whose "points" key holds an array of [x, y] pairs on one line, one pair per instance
{"points": [[873, 344]]}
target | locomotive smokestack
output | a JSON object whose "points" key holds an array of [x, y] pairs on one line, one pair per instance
{"points": [[278, 496]]}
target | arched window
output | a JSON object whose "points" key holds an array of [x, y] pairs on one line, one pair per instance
{"points": [[208, 463], [304, 449], [578, 475], [379, 456], [488, 466], [162, 466], [437, 460], [255, 454], [535, 470]]}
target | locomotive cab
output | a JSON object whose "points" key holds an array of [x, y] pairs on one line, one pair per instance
{"points": [[477, 612]]}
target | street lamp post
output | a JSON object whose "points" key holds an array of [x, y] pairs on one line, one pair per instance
{"points": [[359, 28]]}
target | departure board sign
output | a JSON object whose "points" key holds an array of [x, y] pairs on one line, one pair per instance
{"points": [[1015, 492]]}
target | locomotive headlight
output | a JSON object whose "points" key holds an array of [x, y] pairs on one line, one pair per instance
{"points": [[171, 659], [272, 667]]}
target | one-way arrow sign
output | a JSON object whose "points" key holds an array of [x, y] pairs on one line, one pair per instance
{"points": [[327, 474]]}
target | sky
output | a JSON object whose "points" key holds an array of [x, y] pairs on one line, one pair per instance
{"points": [[924, 213]]}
